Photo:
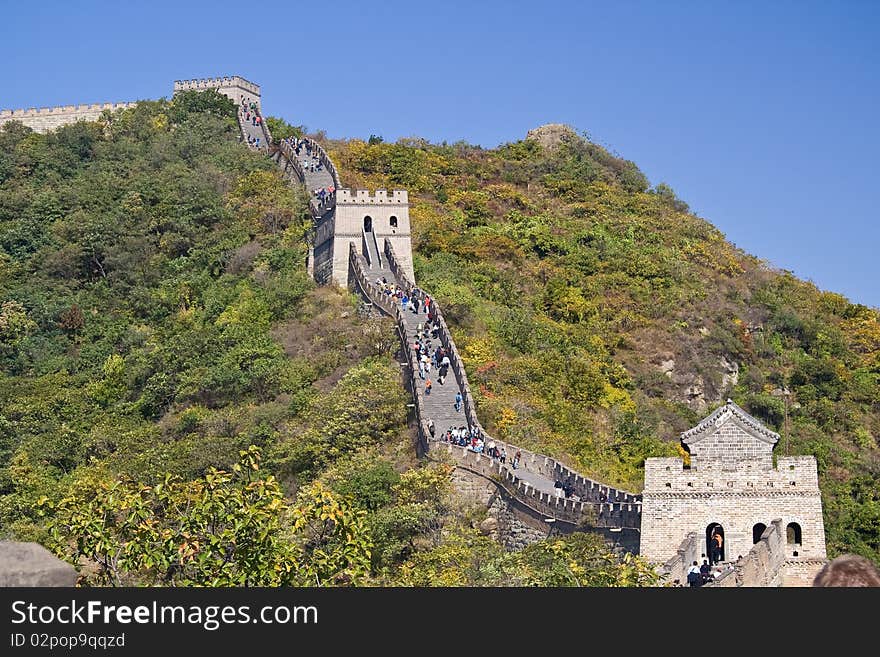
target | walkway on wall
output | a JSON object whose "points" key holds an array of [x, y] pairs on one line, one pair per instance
{"points": [[532, 484], [253, 132]]}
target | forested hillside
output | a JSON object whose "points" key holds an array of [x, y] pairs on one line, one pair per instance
{"points": [[180, 405], [599, 318]]}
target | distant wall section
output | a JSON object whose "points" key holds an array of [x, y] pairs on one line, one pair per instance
{"points": [[44, 119]]}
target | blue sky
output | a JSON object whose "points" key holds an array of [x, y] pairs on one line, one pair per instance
{"points": [[761, 115]]}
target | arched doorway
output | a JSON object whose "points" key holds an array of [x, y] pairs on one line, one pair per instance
{"points": [[368, 224], [716, 555], [793, 537], [758, 531], [393, 221]]}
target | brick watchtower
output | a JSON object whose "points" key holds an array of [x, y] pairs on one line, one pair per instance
{"points": [[732, 486]]}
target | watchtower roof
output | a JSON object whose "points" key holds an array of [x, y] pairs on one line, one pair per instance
{"points": [[720, 416]]}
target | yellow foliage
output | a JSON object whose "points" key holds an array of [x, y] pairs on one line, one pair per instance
{"points": [[506, 420], [616, 398], [479, 352], [864, 332]]}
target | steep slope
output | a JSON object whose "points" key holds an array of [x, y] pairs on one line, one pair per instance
{"points": [[157, 324], [599, 318]]}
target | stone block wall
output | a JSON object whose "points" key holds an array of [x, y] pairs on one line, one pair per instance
{"points": [[731, 447], [768, 564], [691, 549], [801, 572]]}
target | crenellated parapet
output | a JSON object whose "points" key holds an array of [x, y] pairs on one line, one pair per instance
{"points": [[380, 197]]}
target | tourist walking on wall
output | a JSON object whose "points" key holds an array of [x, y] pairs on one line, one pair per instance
{"points": [[516, 459], [428, 387], [717, 545], [706, 571], [694, 577], [458, 401]]}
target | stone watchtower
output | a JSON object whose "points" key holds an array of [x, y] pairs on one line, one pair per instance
{"points": [[367, 220], [732, 486], [234, 87]]}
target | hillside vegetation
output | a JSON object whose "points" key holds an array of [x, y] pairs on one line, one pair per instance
{"points": [[179, 405], [598, 317]]}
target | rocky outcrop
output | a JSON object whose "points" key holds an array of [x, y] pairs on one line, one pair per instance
{"points": [[551, 135], [30, 564], [729, 374]]}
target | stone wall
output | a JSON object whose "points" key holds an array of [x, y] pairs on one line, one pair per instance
{"points": [[45, 119], [691, 549], [801, 571], [731, 447], [509, 529], [473, 487]]}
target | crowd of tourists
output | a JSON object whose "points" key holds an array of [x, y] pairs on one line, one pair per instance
{"points": [[698, 575], [248, 112]]}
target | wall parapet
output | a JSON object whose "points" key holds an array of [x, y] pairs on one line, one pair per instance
{"points": [[13, 114], [795, 474], [676, 567], [381, 197]]}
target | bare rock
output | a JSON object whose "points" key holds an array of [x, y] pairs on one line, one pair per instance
{"points": [[30, 564], [729, 373], [667, 367], [550, 135], [695, 395], [489, 526]]}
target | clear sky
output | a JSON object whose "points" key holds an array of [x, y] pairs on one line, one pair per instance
{"points": [[763, 115]]}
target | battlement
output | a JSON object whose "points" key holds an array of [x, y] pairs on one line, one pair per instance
{"points": [[17, 114], [381, 197], [792, 473], [217, 83]]}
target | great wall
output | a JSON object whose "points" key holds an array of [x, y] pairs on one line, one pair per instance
{"points": [[769, 515]]}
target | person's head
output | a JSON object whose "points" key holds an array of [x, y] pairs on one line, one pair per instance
{"points": [[848, 570], [695, 563]]}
